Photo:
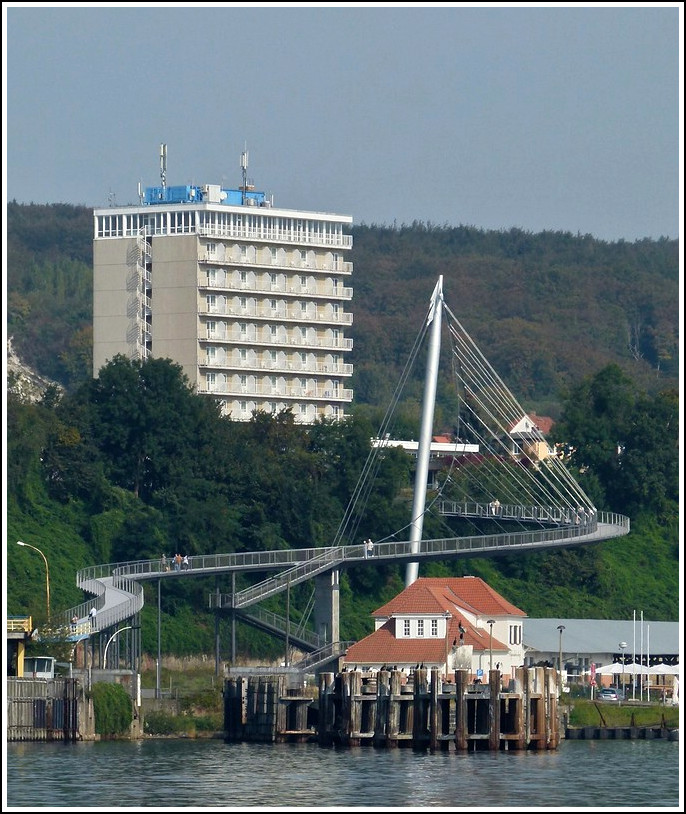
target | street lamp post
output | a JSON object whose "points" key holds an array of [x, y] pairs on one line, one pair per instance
{"points": [[622, 648], [559, 661], [47, 573], [448, 617], [490, 624]]}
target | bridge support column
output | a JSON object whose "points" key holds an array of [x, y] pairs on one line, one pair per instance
{"points": [[326, 606]]}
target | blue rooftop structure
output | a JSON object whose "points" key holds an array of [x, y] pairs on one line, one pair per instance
{"points": [[208, 193]]}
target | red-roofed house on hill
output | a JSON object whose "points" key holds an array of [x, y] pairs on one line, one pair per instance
{"points": [[527, 434], [445, 622]]}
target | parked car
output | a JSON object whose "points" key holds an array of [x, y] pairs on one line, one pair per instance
{"points": [[607, 694]]}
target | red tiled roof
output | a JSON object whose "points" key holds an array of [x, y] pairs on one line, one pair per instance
{"points": [[433, 596], [543, 422], [382, 647], [440, 594]]}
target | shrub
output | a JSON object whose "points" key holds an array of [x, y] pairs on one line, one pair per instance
{"points": [[112, 708]]}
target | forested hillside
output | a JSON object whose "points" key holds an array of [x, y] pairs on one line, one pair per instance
{"points": [[134, 464], [546, 309]]}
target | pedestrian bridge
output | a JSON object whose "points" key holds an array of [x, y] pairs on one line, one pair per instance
{"points": [[507, 476], [118, 589]]}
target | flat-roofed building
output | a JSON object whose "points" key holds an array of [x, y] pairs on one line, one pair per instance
{"points": [[252, 301]]}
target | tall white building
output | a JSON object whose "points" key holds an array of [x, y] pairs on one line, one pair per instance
{"points": [[249, 299]]}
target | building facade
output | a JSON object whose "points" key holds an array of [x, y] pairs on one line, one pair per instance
{"points": [[450, 623], [250, 300]]}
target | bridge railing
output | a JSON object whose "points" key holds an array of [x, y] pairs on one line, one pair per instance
{"points": [[240, 561], [476, 543], [278, 623], [323, 654], [325, 559], [560, 515]]}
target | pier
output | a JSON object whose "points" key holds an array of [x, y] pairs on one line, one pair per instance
{"points": [[391, 709]]}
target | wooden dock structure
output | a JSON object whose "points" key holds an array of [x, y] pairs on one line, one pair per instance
{"points": [[265, 709], [390, 709], [43, 709]]}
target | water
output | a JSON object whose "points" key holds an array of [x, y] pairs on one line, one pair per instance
{"points": [[178, 773]]}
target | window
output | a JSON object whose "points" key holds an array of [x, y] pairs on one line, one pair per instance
{"points": [[272, 304], [434, 627], [272, 355], [303, 333], [210, 381], [244, 383], [274, 255], [303, 359], [303, 307], [243, 276], [243, 303], [243, 328], [420, 627], [244, 253], [515, 634], [243, 354], [211, 303], [211, 329], [211, 248], [273, 279], [303, 281], [406, 627], [272, 331], [211, 355]]}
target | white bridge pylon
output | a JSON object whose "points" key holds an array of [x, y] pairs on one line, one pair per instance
{"points": [[505, 477]]}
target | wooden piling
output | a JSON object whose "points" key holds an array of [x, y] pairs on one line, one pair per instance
{"points": [[386, 710]]}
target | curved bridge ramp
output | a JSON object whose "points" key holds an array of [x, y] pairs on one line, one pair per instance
{"points": [[119, 593]]}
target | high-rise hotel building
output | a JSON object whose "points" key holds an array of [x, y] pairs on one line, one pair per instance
{"points": [[249, 299]]}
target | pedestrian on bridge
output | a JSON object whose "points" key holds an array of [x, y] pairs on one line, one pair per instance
{"points": [[184, 563], [370, 547], [91, 613]]}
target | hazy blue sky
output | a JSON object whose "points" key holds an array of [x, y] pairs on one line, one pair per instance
{"points": [[562, 118]]}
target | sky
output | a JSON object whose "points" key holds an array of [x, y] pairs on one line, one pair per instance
{"points": [[562, 117]]}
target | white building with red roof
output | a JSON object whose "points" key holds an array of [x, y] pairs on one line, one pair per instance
{"points": [[445, 622]]}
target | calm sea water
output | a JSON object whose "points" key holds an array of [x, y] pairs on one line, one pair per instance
{"points": [[173, 774]]}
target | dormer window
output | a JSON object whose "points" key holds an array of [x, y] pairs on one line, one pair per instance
{"points": [[434, 627], [420, 627], [406, 627]]}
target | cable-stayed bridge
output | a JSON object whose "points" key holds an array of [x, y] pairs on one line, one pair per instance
{"points": [[510, 489]]}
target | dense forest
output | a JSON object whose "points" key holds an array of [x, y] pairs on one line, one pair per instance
{"points": [[133, 464]]}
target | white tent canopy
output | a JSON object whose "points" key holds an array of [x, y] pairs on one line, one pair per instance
{"points": [[664, 670], [622, 669]]}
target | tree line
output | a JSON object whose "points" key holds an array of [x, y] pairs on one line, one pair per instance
{"points": [[134, 465]]}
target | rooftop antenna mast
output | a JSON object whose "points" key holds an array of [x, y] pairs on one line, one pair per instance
{"points": [[163, 164], [244, 169]]}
